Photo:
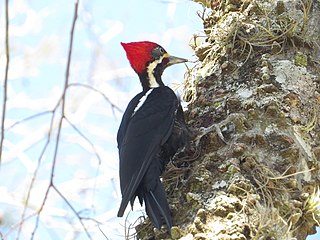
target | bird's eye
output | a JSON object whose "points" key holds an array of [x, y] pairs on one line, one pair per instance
{"points": [[158, 52]]}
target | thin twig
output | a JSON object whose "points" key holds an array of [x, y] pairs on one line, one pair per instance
{"points": [[292, 174], [5, 87], [35, 175], [94, 150], [102, 232], [29, 118], [39, 211], [62, 101], [85, 138], [19, 224], [98, 91], [63, 98], [73, 210]]}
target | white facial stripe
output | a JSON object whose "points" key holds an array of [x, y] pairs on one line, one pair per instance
{"points": [[141, 101], [153, 82]]}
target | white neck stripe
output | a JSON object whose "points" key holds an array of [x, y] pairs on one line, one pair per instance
{"points": [[150, 71], [141, 101]]}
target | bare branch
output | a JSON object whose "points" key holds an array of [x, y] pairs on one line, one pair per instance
{"points": [[72, 209], [63, 102], [40, 210], [34, 176], [17, 225], [98, 91], [4, 107], [85, 138], [57, 113], [29, 118], [102, 232]]}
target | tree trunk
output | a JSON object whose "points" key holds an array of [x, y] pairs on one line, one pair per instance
{"points": [[252, 169]]}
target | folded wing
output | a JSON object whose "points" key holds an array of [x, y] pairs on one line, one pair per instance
{"points": [[141, 136]]}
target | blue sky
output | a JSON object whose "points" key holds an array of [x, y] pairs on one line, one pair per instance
{"points": [[39, 40]]}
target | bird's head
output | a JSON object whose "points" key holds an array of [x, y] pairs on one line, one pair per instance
{"points": [[149, 60]]}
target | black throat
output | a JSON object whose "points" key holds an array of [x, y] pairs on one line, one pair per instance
{"points": [[156, 73]]}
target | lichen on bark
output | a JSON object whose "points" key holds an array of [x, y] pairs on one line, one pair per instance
{"points": [[252, 168]]}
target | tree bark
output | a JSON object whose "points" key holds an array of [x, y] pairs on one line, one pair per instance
{"points": [[252, 169]]}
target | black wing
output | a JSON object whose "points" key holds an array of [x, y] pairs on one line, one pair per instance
{"points": [[127, 116], [141, 136]]}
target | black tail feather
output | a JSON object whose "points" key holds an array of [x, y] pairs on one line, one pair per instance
{"points": [[164, 209], [153, 212], [157, 207]]}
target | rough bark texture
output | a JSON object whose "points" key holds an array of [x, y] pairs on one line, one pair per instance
{"points": [[252, 169]]}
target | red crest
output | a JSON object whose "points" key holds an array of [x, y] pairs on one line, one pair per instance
{"points": [[139, 54]]}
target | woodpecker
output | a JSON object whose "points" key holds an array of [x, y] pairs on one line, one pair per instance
{"points": [[151, 132]]}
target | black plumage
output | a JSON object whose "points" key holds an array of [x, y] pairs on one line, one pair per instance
{"points": [[151, 132]]}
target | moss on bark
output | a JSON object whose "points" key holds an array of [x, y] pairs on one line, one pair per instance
{"points": [[252, 169]]}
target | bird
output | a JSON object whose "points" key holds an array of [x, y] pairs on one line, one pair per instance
{"points": [[151, 131]]}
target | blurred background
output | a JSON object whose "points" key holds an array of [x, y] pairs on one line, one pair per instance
{"points": [[86, 167], [75, 185]]}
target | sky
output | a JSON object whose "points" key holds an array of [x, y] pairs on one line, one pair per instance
{"points": [[86, 169]]}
